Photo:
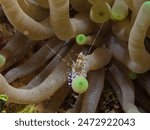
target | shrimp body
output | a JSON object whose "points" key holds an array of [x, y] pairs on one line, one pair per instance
{"points": [[79, 68]]}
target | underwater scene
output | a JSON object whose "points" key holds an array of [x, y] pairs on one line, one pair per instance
{"points": [[74, 56]]}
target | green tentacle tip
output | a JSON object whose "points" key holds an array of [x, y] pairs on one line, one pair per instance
{"points": [[147, 3], [115, 16], [81, 39], [132, 75], [29, 109], [79, 84], [3, 98], [2, 61]]}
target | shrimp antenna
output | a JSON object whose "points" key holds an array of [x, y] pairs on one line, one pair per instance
{"points": [[95, 39], [70, 58], [58, 55]]}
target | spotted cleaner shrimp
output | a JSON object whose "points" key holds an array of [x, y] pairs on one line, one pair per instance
{"points": [[77, 76]]}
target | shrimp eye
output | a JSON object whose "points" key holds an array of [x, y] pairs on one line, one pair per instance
{"points": [[79, 84]]}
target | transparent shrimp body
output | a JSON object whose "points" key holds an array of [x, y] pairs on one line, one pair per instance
{"points": [[77, 76]]}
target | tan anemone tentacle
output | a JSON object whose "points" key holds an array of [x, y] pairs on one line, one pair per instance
{"points": [[64, 27], [25, 24], [81, 5], [43, 91], [34, 11], [136, 46], [43, 3], [98, 59], [119, 10]]}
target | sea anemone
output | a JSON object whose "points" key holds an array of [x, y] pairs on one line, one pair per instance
{"points": [[75, 47]]}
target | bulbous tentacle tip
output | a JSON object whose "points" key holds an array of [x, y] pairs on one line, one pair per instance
{"points": [[100, 12], [79, 84], [2, 61], [119, 10], [81, 39], [117, 17], [146, 3], [146, 6], [3, 98]]}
